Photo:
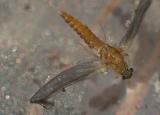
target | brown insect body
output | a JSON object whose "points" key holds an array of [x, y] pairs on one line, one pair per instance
{"points": [[109, 55], [84, 32]]}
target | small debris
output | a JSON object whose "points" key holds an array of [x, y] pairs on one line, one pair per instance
{"points": [[127, 23], [18, 61], [14, 49], [7, 97], [27, 7]]}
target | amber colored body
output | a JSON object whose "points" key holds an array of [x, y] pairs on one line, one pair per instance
{"points": [[109, 55]]}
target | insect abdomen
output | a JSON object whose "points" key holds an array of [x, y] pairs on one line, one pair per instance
{"points": [[85, 33]]}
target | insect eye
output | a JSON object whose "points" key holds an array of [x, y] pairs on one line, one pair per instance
{"points": [[127, 74]]}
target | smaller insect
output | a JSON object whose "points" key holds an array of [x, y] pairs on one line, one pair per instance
{"points": [[109, 56]]}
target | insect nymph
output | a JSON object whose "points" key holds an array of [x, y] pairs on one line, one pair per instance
{"points": [[109, 56]]}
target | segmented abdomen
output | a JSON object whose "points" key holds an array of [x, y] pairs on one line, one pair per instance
{"points": [[85, 33]]}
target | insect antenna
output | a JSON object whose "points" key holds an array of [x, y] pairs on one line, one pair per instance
{"points": [[102, 29]]}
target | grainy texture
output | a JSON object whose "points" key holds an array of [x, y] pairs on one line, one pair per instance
{"points": [[35, 45]]}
